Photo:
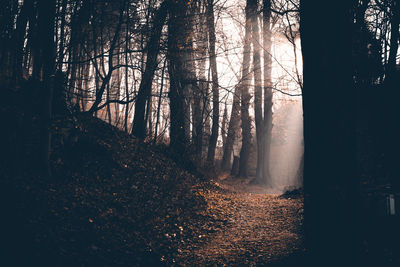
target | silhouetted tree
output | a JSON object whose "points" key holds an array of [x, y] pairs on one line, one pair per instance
{"points": [[329, 97]]}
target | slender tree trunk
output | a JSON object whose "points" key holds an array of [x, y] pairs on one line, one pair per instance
{"points": [[200, 91], [394, 39], [159, 102], [258, 114], [153, 48], [127, 41], [107, 78], [215, 86], [60, 57], [224, 124], [19, 39], [267, 123], [46, 48], [245, 97], [232, 129]]}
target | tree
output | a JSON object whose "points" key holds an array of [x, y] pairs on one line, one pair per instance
{"points": [[215, 86], [245, 96], [153, 48], [200, 92], [45, 70], [178, 33], [329, 97], [267, 123], [232, 128], [258, 114], [392, 144]]}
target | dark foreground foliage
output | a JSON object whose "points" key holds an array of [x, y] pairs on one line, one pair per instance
{"points": [[111, 201]]}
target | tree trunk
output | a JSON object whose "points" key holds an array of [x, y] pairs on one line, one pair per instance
{"points": [[200, 91], [245, 97], [258, 114], [330, 175], [178, 33], [390, 114], [46, 49], [107, 78], [224, 124], [127, 41], [232, 129], [159, 103], [153, 48], [267, 123], [215, 86], [19, 39], [394, 39]]}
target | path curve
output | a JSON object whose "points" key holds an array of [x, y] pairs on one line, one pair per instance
{"points": [[262, 228]]}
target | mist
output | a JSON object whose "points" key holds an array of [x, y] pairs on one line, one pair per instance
{"points": [[287, 146]]}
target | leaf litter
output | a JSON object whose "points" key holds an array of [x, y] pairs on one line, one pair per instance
{"points": [[114, 201]]}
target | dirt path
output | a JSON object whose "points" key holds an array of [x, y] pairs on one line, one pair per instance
{"points": [[262, 228]]}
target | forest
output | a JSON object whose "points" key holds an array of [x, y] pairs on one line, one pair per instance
{"points": [[199, 133]]}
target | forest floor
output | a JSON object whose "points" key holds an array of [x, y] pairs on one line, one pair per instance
{"points": [[264, 228], [115, 201]]}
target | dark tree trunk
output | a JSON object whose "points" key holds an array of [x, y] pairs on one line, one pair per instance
{"points": [[106, 79], [394, 39], [127, 42], [267, 123], [258, 114], [178, 33], [159, 103], [232, 130], [329, 97], [200, 91], [224, 125], [392, 82], [46, 49], [19, 39], [245, 97], [153, 48], [215, 86]]}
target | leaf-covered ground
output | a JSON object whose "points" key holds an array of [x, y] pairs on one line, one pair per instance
{"points": [[262, 228], [113, 201]]}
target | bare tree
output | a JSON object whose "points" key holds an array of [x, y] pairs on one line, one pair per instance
{"points": [[215, 85], [153, 47], [245, 96]]}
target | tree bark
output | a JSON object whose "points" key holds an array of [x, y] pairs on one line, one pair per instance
{"points": [[232, 129], [215, 86], [390, 114], [267, 123], [46, 49], [153, 48], [258, 114], [245, 97], [178, 33], [330, 174], [200, 91]]}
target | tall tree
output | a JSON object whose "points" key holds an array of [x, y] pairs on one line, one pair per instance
{"points": [[267, 123], [245, 96], [200, 92], [258, 114], [329, 97], [232, 130], [45, 58], [153, 48], [215, 85], [392, 80], [178, 33]]}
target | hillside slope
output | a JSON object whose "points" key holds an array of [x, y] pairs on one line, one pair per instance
{"points": [[111, 201]]}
